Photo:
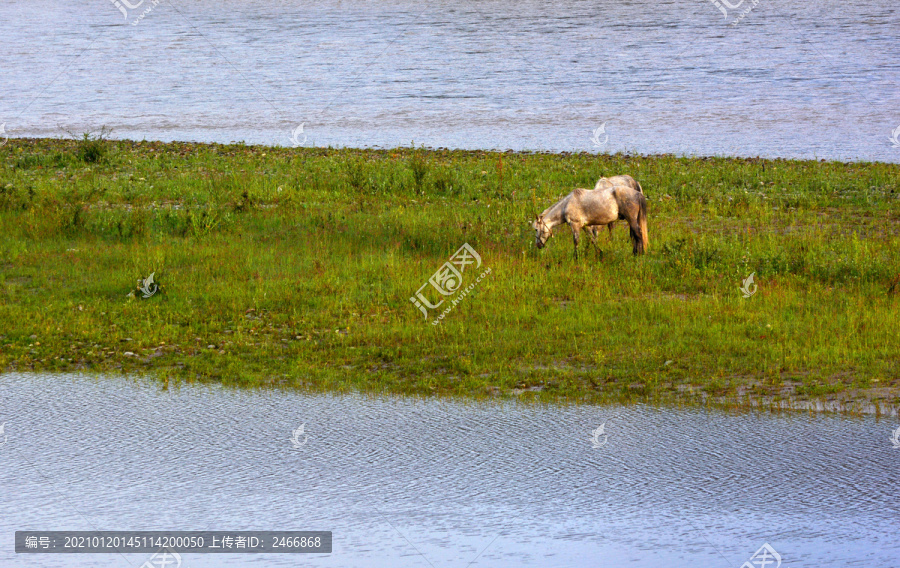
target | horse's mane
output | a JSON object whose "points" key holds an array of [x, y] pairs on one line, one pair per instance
{"points": [[577, 193], [552, 209]]}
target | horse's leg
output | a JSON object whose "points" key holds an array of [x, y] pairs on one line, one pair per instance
{"points": [[576, 234], [637, 243], [610, 227], [594, 231]]}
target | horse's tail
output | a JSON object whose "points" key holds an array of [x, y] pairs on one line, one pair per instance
{"points": [[638, 224], [642, 221], [638, 184]]}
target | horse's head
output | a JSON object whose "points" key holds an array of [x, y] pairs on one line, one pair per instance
{"points": [[542, 232]]}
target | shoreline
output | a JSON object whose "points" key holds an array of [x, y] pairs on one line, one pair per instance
{"points": [[785, 404], [494, 151]]}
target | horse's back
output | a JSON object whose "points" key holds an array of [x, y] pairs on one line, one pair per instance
{"points": [[593, 206], [614, 181]]}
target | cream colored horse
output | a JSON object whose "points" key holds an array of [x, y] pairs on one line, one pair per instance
{"points": [[602, 183], [608, 202]]}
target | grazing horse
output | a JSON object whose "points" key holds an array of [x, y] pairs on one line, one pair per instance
{"points": [[607, 182], [594, 207]]}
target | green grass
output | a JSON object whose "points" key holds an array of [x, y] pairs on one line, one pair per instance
{"points": [[297, 266]]}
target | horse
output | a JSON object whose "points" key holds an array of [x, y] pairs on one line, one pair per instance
{"points": [[602, 183], [603, 205]]}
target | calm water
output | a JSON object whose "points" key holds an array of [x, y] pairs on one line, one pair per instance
{"points": [[411, 483], [794, 78]]}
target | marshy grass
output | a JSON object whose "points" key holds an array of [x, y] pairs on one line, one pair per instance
{"points": [[295, 267]]}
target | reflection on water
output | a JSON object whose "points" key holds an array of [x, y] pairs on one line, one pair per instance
{"points": [[793, 79], [400, 479]]}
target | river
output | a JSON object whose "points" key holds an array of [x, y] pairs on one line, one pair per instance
{"points": [[792, 79], [410, 482]]}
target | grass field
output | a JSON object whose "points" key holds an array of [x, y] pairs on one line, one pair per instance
{"points": [[295, 267]]}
